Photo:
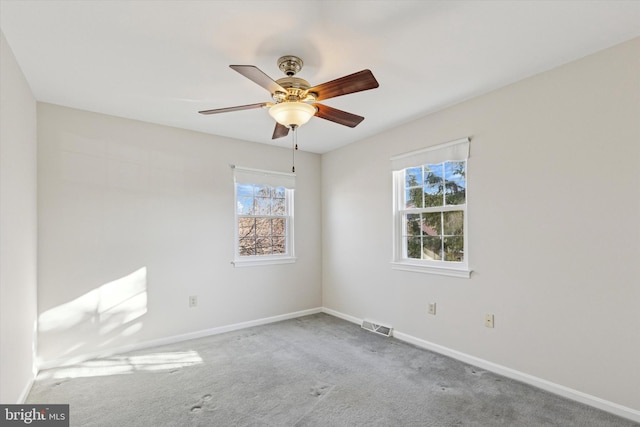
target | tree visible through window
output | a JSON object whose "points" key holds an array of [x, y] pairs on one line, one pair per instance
{"points": [[263, 220], [430, 210], [263, 217], [434, 209]]}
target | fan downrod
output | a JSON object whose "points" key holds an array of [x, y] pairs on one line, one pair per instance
{"points": [[290, 65]]}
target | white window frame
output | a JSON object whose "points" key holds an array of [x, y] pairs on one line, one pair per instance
{"points": [[244, 175], [457, 150]]}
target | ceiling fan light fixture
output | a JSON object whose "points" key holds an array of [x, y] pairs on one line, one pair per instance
{"points": [[292, 113], [296, 100]]}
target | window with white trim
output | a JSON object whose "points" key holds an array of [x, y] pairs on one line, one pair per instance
{"points": [[263, 217], [430, 210]]}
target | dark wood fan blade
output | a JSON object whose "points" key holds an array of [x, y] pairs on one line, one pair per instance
{"points": [[238, 108], [356, 82], [337, 116], [280, 131], [256, 75]]}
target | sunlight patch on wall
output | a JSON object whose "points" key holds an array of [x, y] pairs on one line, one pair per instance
{"points": [[109, 306], [120, 365], [103, 316]]}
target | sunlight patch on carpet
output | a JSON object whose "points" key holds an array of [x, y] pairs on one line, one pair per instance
{"points": [[120, 365]]}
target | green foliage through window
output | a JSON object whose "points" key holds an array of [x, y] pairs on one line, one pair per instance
{"points": [[433, 226]]}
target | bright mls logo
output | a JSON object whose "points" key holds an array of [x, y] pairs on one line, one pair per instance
{"points": [[34, 415]]}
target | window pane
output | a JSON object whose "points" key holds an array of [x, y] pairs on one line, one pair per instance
{"points": [[433, 185], [413, 177], [279, 246], [246, 227], [263, 227], [453, 249], [455, 194], [432, 224], [433, 174], [278, 226], [432, 248], [263, 246], [262, 191], [278, 207], [432, 196], [262, 206], [278, 192], [413, 224], [245, 205], [453, 223], [413, 248], [455, 182], [247, 247], [413, 198], [455, 171]]}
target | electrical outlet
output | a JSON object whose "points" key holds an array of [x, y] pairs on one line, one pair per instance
{"points": [[431, 309], [488, 320], [193, 301]]}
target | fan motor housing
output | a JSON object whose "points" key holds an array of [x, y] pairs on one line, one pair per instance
{"points": [[296, 90]]}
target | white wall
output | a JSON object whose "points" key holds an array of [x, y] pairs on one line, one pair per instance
{"points": [[136, 217], [18, 263], [554, 231]]}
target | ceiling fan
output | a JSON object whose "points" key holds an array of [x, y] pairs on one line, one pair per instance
{"points": [[295, 100]]}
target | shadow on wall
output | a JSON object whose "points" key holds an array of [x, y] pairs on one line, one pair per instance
{"points": [[96, 318]]}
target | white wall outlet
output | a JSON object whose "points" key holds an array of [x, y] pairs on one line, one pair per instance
{"points": [[431, 308], [488, 320], [193, 301]]}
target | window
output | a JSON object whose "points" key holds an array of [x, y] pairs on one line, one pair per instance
{"points": [[430, 210], [264, 217]]}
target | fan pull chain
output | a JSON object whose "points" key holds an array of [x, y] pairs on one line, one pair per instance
{"points": [[294, 148]]}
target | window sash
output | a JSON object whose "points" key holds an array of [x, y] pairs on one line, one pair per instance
{"points": [[265, 259], [446, 208], [441, 235], [457, 150]]}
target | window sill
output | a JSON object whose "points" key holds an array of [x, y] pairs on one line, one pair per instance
{"points": [[429, 269], [253, 262]]}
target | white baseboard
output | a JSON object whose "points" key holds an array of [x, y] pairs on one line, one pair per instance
{"points": [[26, 390], [342, 315], [569, 393], [67, 361]]}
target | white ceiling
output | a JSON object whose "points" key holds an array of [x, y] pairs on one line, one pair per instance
{"points": [[162, 61]]}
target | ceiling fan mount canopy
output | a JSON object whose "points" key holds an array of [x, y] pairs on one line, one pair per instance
{"points": [[296, 100], [290, 65]]}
